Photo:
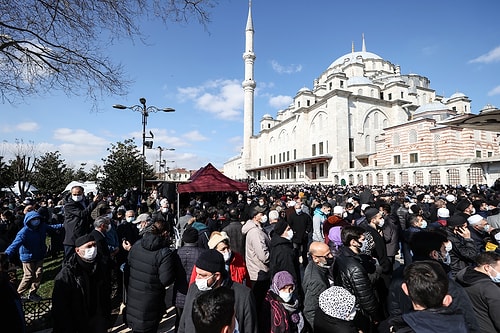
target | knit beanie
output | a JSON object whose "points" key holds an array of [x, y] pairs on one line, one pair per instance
{"points": [[190, 235], [463, 204], [280, 227], [211, 261], [456, 220]]}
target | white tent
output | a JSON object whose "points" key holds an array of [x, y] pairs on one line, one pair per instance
{"points": [[30, 189], [87, 186]]}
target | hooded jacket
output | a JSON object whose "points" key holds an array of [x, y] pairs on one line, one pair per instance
{"points": [[256, 251], [283, 258], [485, 297], [30, 240]]}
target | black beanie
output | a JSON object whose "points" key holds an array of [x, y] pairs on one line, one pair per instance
{"points": [[463, 204], [211, 261], [456, 220], [280, 227], [84, 240], [190, 235]]}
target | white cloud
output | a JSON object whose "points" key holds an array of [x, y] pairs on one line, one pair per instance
{"points": [[290, 69], [27, 126], [195, 136], [280, 101], [79, 137], [494, 91], [492, 56], [221, 98]]}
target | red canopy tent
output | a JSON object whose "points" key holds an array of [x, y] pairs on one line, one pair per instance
{"points": [[209, 179]]}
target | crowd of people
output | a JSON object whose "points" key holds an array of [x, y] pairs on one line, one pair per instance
{"points": [[310, 258]]}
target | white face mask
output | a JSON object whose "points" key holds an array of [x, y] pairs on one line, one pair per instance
{"points": [[381, 223], [286, 297], [364, 245], [109, 215], [202, 284], [130, 219], [77, 198], [90, 253], [164, 209], [289, 234], [448, 246], [263, 219], [227, 256]]}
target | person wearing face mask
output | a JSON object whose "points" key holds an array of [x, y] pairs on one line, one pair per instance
{"points": [[234, 262], [301, 224], [77, 217], [281, 312], [464, 249], [317, 278], [165, 214], [482, 285], [282, 256], [350, 273], [374, 224], [257, 246], [78, 297], [479, 230], [431, 245], [337, 309], [211, 274], [102, 225], [30, 244], [153, 267]]}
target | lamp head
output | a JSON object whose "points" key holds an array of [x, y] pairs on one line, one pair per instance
{"points": [[168, 110], [142, 100], [119, 106]]}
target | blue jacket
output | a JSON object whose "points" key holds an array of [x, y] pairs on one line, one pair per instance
{"points": [[30, 241]]}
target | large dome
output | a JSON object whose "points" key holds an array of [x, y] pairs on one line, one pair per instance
{"points": [[430, 107], [354, 57]]}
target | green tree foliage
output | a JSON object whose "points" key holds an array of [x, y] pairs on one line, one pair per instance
{"points": [[51, 174], [122, 168]]}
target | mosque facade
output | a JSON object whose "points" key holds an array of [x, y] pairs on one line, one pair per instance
{"points": [[363, 122]]}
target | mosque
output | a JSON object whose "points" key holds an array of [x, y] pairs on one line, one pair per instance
{"points": [[364, 122]]}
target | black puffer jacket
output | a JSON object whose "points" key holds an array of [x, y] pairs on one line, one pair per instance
{"points": [[349, 273], [153, 266]]}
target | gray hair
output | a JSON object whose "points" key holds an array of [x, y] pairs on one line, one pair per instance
{"points": [[100, 221]]}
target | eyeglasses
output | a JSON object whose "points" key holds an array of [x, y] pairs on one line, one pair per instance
{"points": [[329, 255]]}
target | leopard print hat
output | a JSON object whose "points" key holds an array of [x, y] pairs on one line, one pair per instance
{"points": [[337, 302]]}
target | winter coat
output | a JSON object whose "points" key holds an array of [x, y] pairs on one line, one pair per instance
{"points": [[485, 297], [380, 251], [30, 241], [187, 256], [203, 234], [256, 251], [315, 281], [77, 219], [324, 323], [426, 321], [283, 258], [318, 219], [244, 305], [399, 303], [301, 225], [78, 297], [390, 232], [153, 267], [236, 239], [463, 252], [349, 273], [275, 318]]}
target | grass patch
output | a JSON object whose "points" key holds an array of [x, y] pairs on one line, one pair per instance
{"points": [[50, 269]]}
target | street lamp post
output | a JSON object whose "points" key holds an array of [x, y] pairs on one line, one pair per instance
{"points": [[144, 110], [161, 149]]}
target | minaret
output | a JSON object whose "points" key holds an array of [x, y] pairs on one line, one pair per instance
{"points": [[363, 48], [248, 88]]}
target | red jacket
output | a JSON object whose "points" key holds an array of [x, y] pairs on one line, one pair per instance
{"points": [[237, 271]]}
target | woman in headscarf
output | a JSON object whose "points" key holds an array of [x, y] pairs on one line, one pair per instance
{"points": [[281, 308]]}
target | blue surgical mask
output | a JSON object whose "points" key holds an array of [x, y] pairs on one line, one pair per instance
{"points": [[423, 225], [495, 278]]}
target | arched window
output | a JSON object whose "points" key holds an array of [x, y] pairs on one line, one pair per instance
{"points": [[412, 136], [367, 143]]}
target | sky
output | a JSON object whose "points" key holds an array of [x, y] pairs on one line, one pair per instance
{"points": [[198, 72]]}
